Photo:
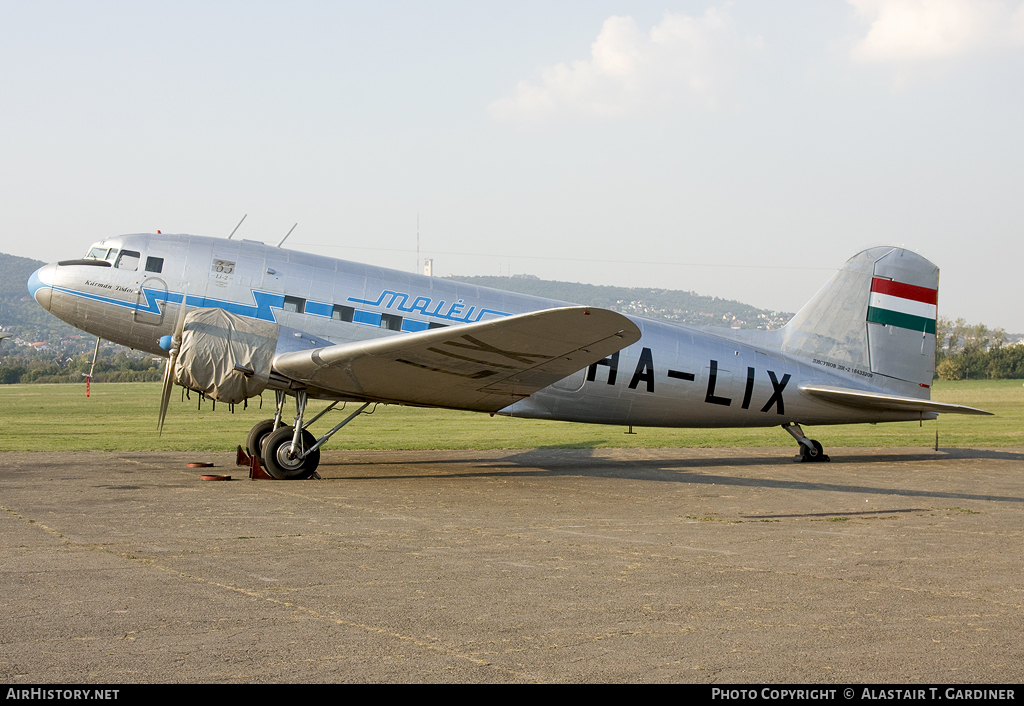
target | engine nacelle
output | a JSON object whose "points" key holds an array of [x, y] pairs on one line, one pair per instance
{"points": [[225, 356]]}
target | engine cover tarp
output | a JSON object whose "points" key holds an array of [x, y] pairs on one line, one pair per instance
{"points": [[213, 342]]}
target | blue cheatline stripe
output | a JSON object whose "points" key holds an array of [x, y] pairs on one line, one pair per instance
{"points": [[319, 309], [264, 308], [264, 303], [900, 320], [366, 317], [413, 326]]}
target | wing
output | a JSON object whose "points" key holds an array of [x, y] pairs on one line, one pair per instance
{"points": [[882, 402], [483, 366]]}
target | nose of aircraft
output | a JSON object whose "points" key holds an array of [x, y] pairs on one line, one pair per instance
{"points": [[40, 285]]}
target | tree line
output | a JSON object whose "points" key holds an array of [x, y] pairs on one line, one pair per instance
{"points": [[975, 352], [116, 367]]}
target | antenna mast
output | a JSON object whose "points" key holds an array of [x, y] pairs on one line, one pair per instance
{"points": [[236, 227], [286, 235]]}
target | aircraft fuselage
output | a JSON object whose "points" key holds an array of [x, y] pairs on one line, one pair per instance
{"points": [[674, 376]]}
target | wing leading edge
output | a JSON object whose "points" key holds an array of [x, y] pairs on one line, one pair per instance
{"points": [[863, 399], [483, 366]]}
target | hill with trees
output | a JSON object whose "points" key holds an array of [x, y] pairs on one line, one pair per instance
{"points": [[668, 304], [42, 348], [20, 315]]}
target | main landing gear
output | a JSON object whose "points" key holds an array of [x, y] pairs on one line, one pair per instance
{"points": [[291, 452], [810, 450]]}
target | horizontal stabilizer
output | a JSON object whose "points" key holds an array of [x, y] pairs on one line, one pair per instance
{"points": [[878, 401], [483, 366]]}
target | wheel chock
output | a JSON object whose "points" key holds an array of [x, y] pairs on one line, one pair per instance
{"points": [[256, 471]]}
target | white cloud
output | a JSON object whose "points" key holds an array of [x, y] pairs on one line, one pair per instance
{"points": [[683, 60], [908, 30]]}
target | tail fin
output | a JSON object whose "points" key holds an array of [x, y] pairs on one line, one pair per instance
{"points": [[875, 318]]}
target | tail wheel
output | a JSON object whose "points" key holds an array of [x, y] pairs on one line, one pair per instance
{"points": [[282, 461], [813, 454]]}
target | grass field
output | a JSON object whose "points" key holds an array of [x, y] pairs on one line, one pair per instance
{"points": [[122, 417]]}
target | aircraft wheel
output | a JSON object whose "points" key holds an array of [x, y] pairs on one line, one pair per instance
{"points": [[812, 455], [254, 442], [278, 458]]}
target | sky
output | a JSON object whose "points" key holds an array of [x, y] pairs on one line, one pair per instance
{"points": [[737, 149]]}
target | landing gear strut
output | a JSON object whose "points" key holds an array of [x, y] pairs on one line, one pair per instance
{"points": [[291, 452], [810, 450]]}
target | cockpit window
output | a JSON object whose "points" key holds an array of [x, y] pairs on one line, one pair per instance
{"points": [[128, 260], [101, 253]]}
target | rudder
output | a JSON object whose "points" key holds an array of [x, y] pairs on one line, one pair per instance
{"points": [[875, 317]]}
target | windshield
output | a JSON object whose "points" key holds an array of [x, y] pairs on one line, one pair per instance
{"points": [[100, 252]]}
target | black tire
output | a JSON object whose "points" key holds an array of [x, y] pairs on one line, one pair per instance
{"points": [[254, 442], [813, 455], [278, 461]]}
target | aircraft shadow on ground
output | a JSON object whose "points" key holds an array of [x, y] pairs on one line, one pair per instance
{"points": [[581, 462]]}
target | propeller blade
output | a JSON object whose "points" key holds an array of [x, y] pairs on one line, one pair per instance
{"points": [[179, 325], [172, 360], [165, 394]]}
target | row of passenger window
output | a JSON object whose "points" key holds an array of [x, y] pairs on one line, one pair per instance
{"points": [[391, 322]]}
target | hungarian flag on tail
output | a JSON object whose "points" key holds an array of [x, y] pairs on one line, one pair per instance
{"points": [[906, 306]]}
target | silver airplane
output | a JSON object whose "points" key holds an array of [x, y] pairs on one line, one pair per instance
{"points": [[237, 317]]}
